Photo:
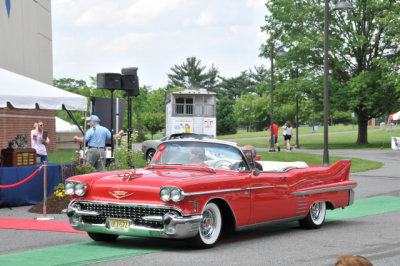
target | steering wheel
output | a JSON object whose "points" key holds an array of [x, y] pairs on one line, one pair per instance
{"points": [[223, 165]]}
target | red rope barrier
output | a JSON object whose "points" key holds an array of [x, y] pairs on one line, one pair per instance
{"points": [[23, 181]]}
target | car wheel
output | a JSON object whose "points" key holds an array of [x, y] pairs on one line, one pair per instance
{"points": [[315, 217], [150, 155], [102, 237], [209, 229]]}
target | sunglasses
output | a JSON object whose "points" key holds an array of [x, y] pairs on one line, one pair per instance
{"points": [[40, 125]]}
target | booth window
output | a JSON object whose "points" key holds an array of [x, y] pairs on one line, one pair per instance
{"points": [[184, 106]]}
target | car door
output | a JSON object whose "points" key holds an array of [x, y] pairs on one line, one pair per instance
{"points": [[270, 198]]}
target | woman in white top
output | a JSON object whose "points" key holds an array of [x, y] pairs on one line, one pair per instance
{"points": [[287, 134]]}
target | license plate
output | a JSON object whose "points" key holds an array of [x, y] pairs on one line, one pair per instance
{"points": [[119, 225]]}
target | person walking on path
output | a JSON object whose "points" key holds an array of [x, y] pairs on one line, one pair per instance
{"points": [[287, 134], [39, 140], [96, 137], [276, 129]]}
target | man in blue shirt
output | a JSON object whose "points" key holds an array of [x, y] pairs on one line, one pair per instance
{"points": [[96, 138]]}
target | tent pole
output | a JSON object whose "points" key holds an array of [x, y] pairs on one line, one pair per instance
{"points": [[73, 118]]}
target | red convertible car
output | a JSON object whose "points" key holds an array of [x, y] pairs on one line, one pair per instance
{"points": [[194, 189]]}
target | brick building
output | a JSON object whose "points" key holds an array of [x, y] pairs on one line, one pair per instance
{"points": [[20, 122], [26, 71]]}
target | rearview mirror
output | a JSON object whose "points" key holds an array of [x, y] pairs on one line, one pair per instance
{"points": [[255, 172]]}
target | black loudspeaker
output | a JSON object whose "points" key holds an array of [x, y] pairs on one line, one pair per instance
{"points": [[130, 81], [130, 85], [109, 81], [101, 107]]}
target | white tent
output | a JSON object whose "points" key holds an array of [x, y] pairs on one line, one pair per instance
{"points": [[64, 126], [25, 93], [395, 141]]}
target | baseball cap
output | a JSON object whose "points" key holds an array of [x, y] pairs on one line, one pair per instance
{"points": [[93, 118]]}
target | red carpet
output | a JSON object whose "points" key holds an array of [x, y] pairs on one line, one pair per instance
{"points": [[31, 224]]}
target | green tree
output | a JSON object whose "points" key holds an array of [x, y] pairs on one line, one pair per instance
{"points": [[260, 80], [154, 122], [69, 84], [226, 122], [363, 58], [236, 86], [252, 111], [153, 112], [192, 75]]}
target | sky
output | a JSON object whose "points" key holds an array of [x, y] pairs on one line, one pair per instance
{"points": [[98, 36]]}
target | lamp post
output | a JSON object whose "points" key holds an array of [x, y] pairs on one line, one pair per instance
{"points": [[296, 74], [342, 5], [281, 53]]}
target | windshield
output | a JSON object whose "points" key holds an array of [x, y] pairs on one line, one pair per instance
{"points": [[199, 154]]}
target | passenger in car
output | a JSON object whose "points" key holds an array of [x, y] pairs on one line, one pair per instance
{"points": [[197, 155], [251, 153]]}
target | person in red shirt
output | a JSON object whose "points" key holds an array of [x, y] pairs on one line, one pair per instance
{"points": [[276, 129]]}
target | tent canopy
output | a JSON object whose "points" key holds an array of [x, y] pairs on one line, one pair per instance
{"points": [[64, 126], [395, 116], [25, 93]]}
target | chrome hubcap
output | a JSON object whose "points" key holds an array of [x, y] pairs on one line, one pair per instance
{"points": [[207, 225], [315, 211]]}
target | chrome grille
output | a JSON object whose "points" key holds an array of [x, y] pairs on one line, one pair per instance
{"points": [[134, 213]]}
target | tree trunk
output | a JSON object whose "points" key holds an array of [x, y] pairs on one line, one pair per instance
{"points": [[362, 129]]}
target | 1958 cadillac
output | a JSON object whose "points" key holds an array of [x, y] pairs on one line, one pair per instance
{"points": [[194, 189]]}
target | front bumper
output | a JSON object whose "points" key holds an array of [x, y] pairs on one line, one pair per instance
{"points": [[171, 224]]}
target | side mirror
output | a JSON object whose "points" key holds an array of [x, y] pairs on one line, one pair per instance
{"points": [[255, 172]]}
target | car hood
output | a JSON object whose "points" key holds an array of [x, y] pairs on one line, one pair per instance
{"points": [[143, 185]]}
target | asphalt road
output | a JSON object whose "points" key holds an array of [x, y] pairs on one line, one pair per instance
{"points": [[376, 237]]}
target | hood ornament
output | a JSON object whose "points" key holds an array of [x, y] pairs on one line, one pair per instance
{"points": [[130, 175], [120, 194]]}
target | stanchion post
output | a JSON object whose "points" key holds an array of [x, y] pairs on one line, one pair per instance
{"points": [[44, 194]]}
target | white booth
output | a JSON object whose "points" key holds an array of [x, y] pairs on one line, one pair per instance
{"points": [[191, 111]]}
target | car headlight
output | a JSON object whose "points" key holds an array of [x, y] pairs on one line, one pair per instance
{"points": [[76, 188], [176, 194], [165, 194], [69, 188], [171, 193], [80, 189]]}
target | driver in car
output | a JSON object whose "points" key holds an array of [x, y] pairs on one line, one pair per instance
{"points": [[251, 153]]}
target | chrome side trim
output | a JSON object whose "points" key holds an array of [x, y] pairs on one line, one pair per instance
{"points": [[246, 227], [323, 190], [223, 191]]}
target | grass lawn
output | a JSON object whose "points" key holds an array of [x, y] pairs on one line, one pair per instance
{"points": [[302, 130], [62, 156], [376, 139]]}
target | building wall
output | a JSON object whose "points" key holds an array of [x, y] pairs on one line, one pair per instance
{"points": [[26, 49], [26, 38], [20, 122]]}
